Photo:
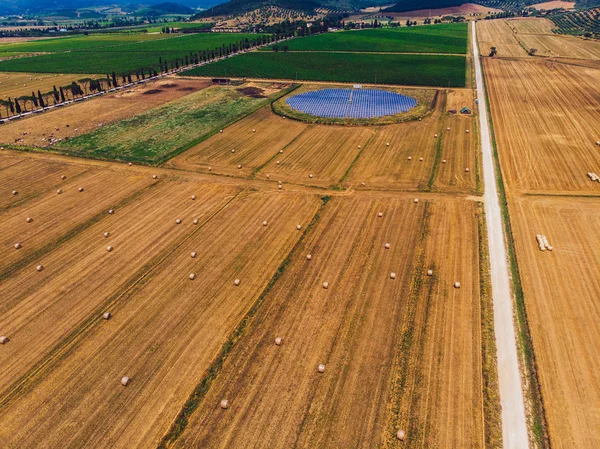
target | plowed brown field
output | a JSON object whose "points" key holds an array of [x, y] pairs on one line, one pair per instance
{"points": [[88, 115], [410, 346], [561, 289], [546, 122], [252, 148]]}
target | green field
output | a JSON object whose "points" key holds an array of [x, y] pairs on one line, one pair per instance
{"points": [[416, 70], [157, 134], [105, 54], [443, 38]]}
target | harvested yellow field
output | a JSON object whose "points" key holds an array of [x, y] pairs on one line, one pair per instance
{"points": [[251, 142], [379, 377], [555, 4], [532, 25], [86, 116], [325, 152], [560, 289], [546, 124], [16, 84], [562, 46], [497, 33]]}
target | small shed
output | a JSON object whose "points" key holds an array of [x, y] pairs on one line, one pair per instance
{"points": [[465, 110]]}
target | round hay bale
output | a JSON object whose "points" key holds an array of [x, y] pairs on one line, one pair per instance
{"points": [[447, 129], [111, 211], [107, 234], [209, 168], [278, 341], [597, 143], [321, 368], [193, 197], [280, 187], [59, 191], [435, 135], [253, 130], [265, 223], [109, 248], [416, 200], [239, 166], [387, 246], [380, 214], [410, 158], [63, 177], [401, 435], [233, 151], [467, 131], [130, 164], [277, 162], [80, 189], [443, 161], [224, 404], [549, 248], [178, 221], [298, 227], [220, 130], [193, 254], [29, 220], [236, 282], [192, 276], [125, 381], [362, 184], [420, 159], [107, 315], [457, 285], [359, 147], [392, 275], [387, 144], [279, 182], [280, 151], [40, 268], [310, 175], [195, 221], [4, 339], [268, 176], [325, 285], [429, 272], [14, 192], [18, 246], [154, 177], [308, 257], [467, 170]]}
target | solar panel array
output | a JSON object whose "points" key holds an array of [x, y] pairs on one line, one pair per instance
{"points": [[351, 103]]}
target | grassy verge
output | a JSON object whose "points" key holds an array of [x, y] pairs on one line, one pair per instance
{"points": [[215, 367], [438, 150], [425, 102], [492, 412], [537, 418]]}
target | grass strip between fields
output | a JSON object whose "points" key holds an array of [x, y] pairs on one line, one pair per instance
{"points": [[190, 406], [438, 150], [68, 344], [492, 411], [537, 416]]}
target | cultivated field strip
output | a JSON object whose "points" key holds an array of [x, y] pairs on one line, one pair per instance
{"points": [[57, 215], [459, 149], [355, 327], [546, 124], [326, 152], [8, 161], [252, 149], [561, 290], [89, 115], [387, 167], [164, 333], [497, 33], [562, 46], [438, 389], [31, 178], [81, 275]]}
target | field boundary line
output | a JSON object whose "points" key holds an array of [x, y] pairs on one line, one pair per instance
{"points": [[339, 186], [514, 422], [66, 346], [438, 150], [180, 422]]}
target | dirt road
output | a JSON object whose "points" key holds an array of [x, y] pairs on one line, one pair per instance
{"points": [[514, 427]]}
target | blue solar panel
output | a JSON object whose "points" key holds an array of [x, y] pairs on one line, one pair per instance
{"points": [[351, 103]]}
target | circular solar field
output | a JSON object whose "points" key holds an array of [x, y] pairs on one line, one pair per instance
{"points": [[351, 103]]}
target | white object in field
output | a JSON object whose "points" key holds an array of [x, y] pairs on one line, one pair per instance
{"points": [[362, 184], [308, 257], [154, 177], [280, 187], [109, 248], [253, 130], [310, 175], [192, 276], [387, 246], [193, 254], [420, 159], [39, 268], [107, 234], [380, 214], [4, 339], [63, 177], [265, 223], [268, 176], [278, 341], [220, 130], [401, 435], [298, 227], [178, 221], [18, 246], [410, 158], [387, 144], [416, 200], [14, 192], [429, 272], [392, 275], [321, 368], [224, 404], [29, 220], [447, 129], [80, 189], [111, 211], [277, 162], [239, 166], [130, 164], [280, 151], [59, 191], [193, 197], [236, 282], [359, 147], [598, 143], [195, 221], [467, 170], [125, 380], [435, 135], [209, 168], [457, 285], [467, 131], [325, 285], [443, 161], [593, 177], [107, 315]]}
